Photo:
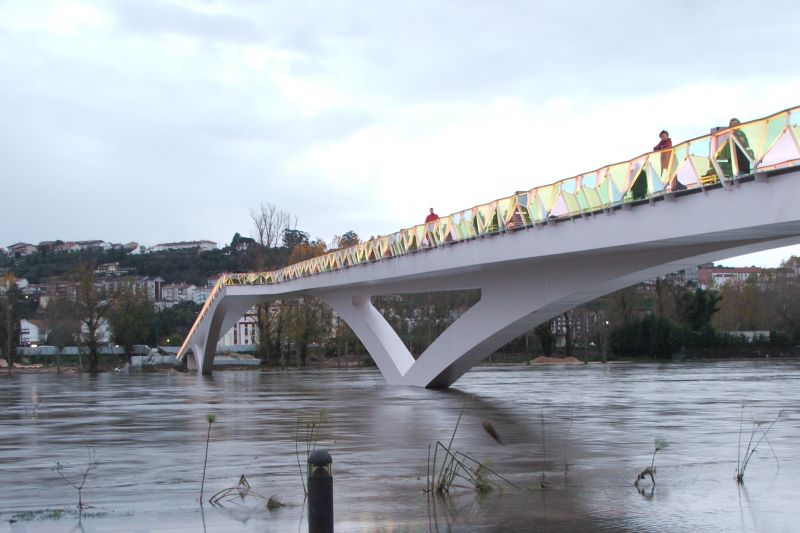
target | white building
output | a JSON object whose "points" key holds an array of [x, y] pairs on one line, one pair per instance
{"points": [[201, 294], [177, 292], [79, 246], [203, 246], [244, 332], [22, 249], [32, 332]]}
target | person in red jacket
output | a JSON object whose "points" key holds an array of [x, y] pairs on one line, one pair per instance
{"points": [[665, 147], [432, 217], [664, 144]]}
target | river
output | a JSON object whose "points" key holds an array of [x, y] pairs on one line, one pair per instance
{"points": [[572, 440]]}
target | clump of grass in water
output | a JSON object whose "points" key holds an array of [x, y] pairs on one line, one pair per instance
{"points": [[80, 479], [457, 464], [752, 445], [211, 418], [660, 444], [44, 514]]}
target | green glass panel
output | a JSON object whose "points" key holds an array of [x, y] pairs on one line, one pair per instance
{"points": [[605, 194], [592, 198], [545, 195], [482, 218], [796, 133], [525, 214], [749, 137], [637, 179], [572, 203], [538, 212], [583, 202], [494, 225], [775, 127], [679, 154], [503, 207], [618, 174], [704, 169], [654, 181]]}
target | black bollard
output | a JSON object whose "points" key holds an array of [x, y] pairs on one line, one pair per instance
{"points": [[320, 492]]}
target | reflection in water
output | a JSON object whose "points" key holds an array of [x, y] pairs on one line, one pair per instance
{"points": [[586, 430]]}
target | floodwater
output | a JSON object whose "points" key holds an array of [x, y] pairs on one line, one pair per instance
{"points": [[573, 440]]}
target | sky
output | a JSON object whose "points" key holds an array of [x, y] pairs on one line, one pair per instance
{"points": [[160, 121]]}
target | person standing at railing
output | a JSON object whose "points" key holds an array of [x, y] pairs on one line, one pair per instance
{"points": [[743, 145], [432, 217], [665, 147], [429, 224], [664, 144]]}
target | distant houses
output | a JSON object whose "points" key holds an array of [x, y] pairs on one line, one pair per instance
{"points": [[22, 249], [203, 246]]}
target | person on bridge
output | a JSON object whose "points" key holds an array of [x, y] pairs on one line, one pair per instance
{"points": [[432, 217], [665, 147], [742, 162], [664, 144]]}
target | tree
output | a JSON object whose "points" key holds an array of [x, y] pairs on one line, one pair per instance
{"points": [[350, 238], [271, 223], [306, 250], [544, 332], [9, 311], [696, 308], [171, 325], [307, 320], [265, 322], [61, 322], [130, 317], [91, 307], [293, 238]]}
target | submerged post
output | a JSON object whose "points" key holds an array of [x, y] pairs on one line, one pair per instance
{"points": [[320, 492]]}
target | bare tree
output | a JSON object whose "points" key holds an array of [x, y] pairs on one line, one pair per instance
{"points": [[78, 480], [270, 224], [91, 306]]}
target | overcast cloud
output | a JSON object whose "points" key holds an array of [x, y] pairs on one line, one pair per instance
{"points": [[156, 121]]}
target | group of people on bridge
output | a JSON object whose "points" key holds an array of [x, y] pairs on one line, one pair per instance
{"points": [[742, 154]]}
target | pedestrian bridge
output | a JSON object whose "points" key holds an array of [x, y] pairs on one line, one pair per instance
{"points": [[541, 252]]}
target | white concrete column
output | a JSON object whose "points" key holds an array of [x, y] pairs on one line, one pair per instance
{"points": [[380, 340]]}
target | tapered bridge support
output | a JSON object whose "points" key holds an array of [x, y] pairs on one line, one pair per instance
{"points": [[375, 333]]}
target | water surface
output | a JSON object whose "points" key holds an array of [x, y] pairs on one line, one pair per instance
{"points": [[574, 437]]}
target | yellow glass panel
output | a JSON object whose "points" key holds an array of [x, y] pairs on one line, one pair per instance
{"points": [[618, 174], [504, 210], [546, 195]]}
